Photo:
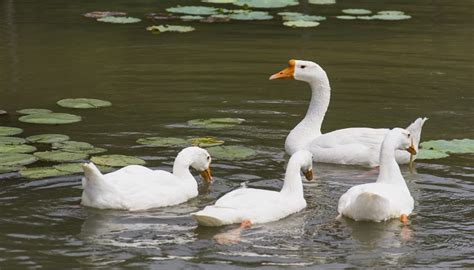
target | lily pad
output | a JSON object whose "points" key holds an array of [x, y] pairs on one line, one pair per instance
{"points": [[50, 118], [17, 159], [163, 141], [463, 146], [206, 141], [117, 160], [301, 24], [216, 122], [356, 11], [392, 17], [48, 138], [218, 1], [251, 16], [41, 172], [191, 18], [170, 28], [296, 16], [322, 2], [72, 145], [121, 20], [101, 14], [33, 111], [83, 103], [3, 112], [18, 148], [161, 16], [77, 168], [193, 10], [9, 131], [216, 18], [7, 169], [232, 152], [346, 17], [431, 154], [60, 156], [11, 141], [266, 3]]}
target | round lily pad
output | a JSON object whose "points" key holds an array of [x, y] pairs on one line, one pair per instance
{"points": [[17, 159], [356, 11], [231, 152], [191, 18], [33, 111], [296, 16], [170, 28], [117, 160], [266, 3], [251, 16], [390, 12], [92, 151], [48, 138], [3, 112], [346, 17], [392, 17], [77, 168], [72, 145], [430, 154], [9, 131], [218, 1], [41, 172], [121, 20], [17, 148], [216, 122], [101, 14], [322, 2], [50, 118], [456, 146], [301, 24], [60, 156], [206, 142], [11, 140], [7, 169], [193, 10], [83, 103], [163, 141]]}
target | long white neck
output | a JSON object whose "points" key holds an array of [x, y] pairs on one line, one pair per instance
{"points": [[181, 167], [293, 185], [310, 127], [389, 171]]}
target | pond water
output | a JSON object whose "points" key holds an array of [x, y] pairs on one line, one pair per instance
{"points": [[383, 74]]}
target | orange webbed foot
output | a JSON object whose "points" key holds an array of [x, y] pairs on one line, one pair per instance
{"points": [[404, 218], [245, 224]]}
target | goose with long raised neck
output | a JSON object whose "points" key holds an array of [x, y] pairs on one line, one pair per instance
{"points": [[356, 146], [136, 187], [251, 206], [389, 197]]}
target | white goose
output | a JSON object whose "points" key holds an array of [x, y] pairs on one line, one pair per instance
{"points": [[137, 188], [357, 146], [250, 206], [389, 196]]}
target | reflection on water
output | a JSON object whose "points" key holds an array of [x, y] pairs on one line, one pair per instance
{"points": [[382, 74]]}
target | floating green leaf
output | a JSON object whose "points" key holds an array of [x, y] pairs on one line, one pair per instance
{"points": [[121, 20], [216, 122], [83, 103], [430, 154], [191, 18], [3, 112], [16, 148], [48, 138], [9, 131], [41, 172], [193, 10], [301, 24], [163, 141], [266, 3], [170, 28], [219, 1], [92, 151], [77, 168], [392, 17], [296, 16], [206, 141], [346, 17], [117, 160], [356, 11], [463, 146], [231, 152], [101, 14], [11, 140], [7, 169], [50, 118], [17, 159], [60, 156], [251, 16], [390, 12], [322, 2], [33, 111], [72, 145]]}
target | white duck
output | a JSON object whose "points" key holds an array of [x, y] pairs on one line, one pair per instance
{"points": [[137, 188], [389, 196], [357, 146], [250, 206]]}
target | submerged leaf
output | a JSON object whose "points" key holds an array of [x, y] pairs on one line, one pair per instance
{"points": [[193, 10], [11, 140], [83, 103], [301, 24], [170, 28], [121, 20], [232, 152], [16, 148], [117, 160], [266, 3], [205, 141], [9, 131], [41, 172], [50, 118], [60, 156], [163, 141], [216, 122], [17, 159], [48, 138], [33, 111]]}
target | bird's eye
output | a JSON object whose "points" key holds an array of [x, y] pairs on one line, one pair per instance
{"points": [[408, 135], [208, 157], [303, 66]]}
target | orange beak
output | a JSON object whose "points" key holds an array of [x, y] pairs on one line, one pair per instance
{"points": [[308, 174], [411, 149], [287, 73], [206, 175]]}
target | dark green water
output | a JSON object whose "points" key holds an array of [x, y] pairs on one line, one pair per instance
{"points": [[383, 74]]}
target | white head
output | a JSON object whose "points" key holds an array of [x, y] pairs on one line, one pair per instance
{"points": [[197, 158], [302, 70], [304, 159], [401, 140]]}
